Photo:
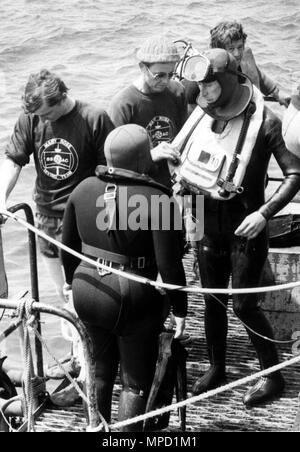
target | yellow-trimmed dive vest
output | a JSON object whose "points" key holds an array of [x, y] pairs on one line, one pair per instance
{"points": [[206, 156]]}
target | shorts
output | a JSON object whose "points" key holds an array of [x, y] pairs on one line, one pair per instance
{"points": [[51, 226]]}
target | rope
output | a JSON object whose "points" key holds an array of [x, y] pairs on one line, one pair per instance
{"points": [[142, 280], [24, 312], [167, 286], [162, 285], [2, 315], [208, 394], [73, 383], [67, 374], [276, 341]]}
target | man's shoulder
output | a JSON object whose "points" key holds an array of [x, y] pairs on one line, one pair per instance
{"points": [[270, 117], [125, 93], [25, 119], [89, 110], [248, 53], [248, 60], [86, 186], [26, 122], [153, 192]]}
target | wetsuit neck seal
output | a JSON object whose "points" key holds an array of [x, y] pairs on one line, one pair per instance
{"points": [[120, 175]]}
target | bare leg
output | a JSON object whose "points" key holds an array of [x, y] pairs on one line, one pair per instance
{"points": [[55, 272]]}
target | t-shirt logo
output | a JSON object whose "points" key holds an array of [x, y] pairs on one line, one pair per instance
{"points": [[160, 128], [58, 159]]}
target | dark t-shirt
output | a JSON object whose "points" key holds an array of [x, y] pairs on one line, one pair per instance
{"points": [[65, 152], [162, 114]]}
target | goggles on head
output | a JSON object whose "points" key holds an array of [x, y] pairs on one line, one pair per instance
{"points": [[198, 68]]}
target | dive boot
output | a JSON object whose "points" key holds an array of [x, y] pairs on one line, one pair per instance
{"points": [[216, 375], [264, 390], [213, 378]]}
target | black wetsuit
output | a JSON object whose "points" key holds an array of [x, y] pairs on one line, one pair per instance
{"points": [[222, 253], [123, 317]]}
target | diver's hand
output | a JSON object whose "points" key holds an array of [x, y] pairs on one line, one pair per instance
{"points": [[164, 151], [179, 326], [285, 101], [281, 99], [251, 226]]}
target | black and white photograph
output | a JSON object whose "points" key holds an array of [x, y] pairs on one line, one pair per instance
{"points": [[149, 219]]}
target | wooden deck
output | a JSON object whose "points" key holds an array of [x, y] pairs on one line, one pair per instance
{"points": [[224, 412]]}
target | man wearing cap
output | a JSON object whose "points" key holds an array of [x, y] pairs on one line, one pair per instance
{"points": [[123, 317], [229, 150], [155, 101]]}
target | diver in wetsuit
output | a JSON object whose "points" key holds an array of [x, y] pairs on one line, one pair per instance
{"points": [[235, 239], [124, 317]]}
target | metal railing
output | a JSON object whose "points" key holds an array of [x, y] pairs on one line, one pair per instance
{"points": [[36, 308]]}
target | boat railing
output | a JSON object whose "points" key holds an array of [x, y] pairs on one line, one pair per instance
{"points": [[35, 309], [27, 310], [95, 420]]}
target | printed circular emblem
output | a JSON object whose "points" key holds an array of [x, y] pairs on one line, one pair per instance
{"points": [[58, 159], [160, 128]]}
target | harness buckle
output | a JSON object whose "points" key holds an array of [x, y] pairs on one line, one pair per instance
{"points": [[229, 187], [110, 192], [103, 271], [141, 262]]}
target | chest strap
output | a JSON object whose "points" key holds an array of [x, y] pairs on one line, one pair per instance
{"points": [[108, 257]]}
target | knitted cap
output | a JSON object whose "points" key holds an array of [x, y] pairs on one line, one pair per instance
{"points": [[158, 49]]}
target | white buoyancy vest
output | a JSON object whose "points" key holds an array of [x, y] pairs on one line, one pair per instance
{"points": [[206, 156]]}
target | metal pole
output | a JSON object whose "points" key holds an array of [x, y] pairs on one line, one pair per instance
{"points": [[33, 279]]}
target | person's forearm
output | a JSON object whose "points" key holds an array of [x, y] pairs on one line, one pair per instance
{"points": [[9, 174]]}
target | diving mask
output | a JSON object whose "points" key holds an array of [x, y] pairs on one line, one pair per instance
{"points": [[199, 68]]}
